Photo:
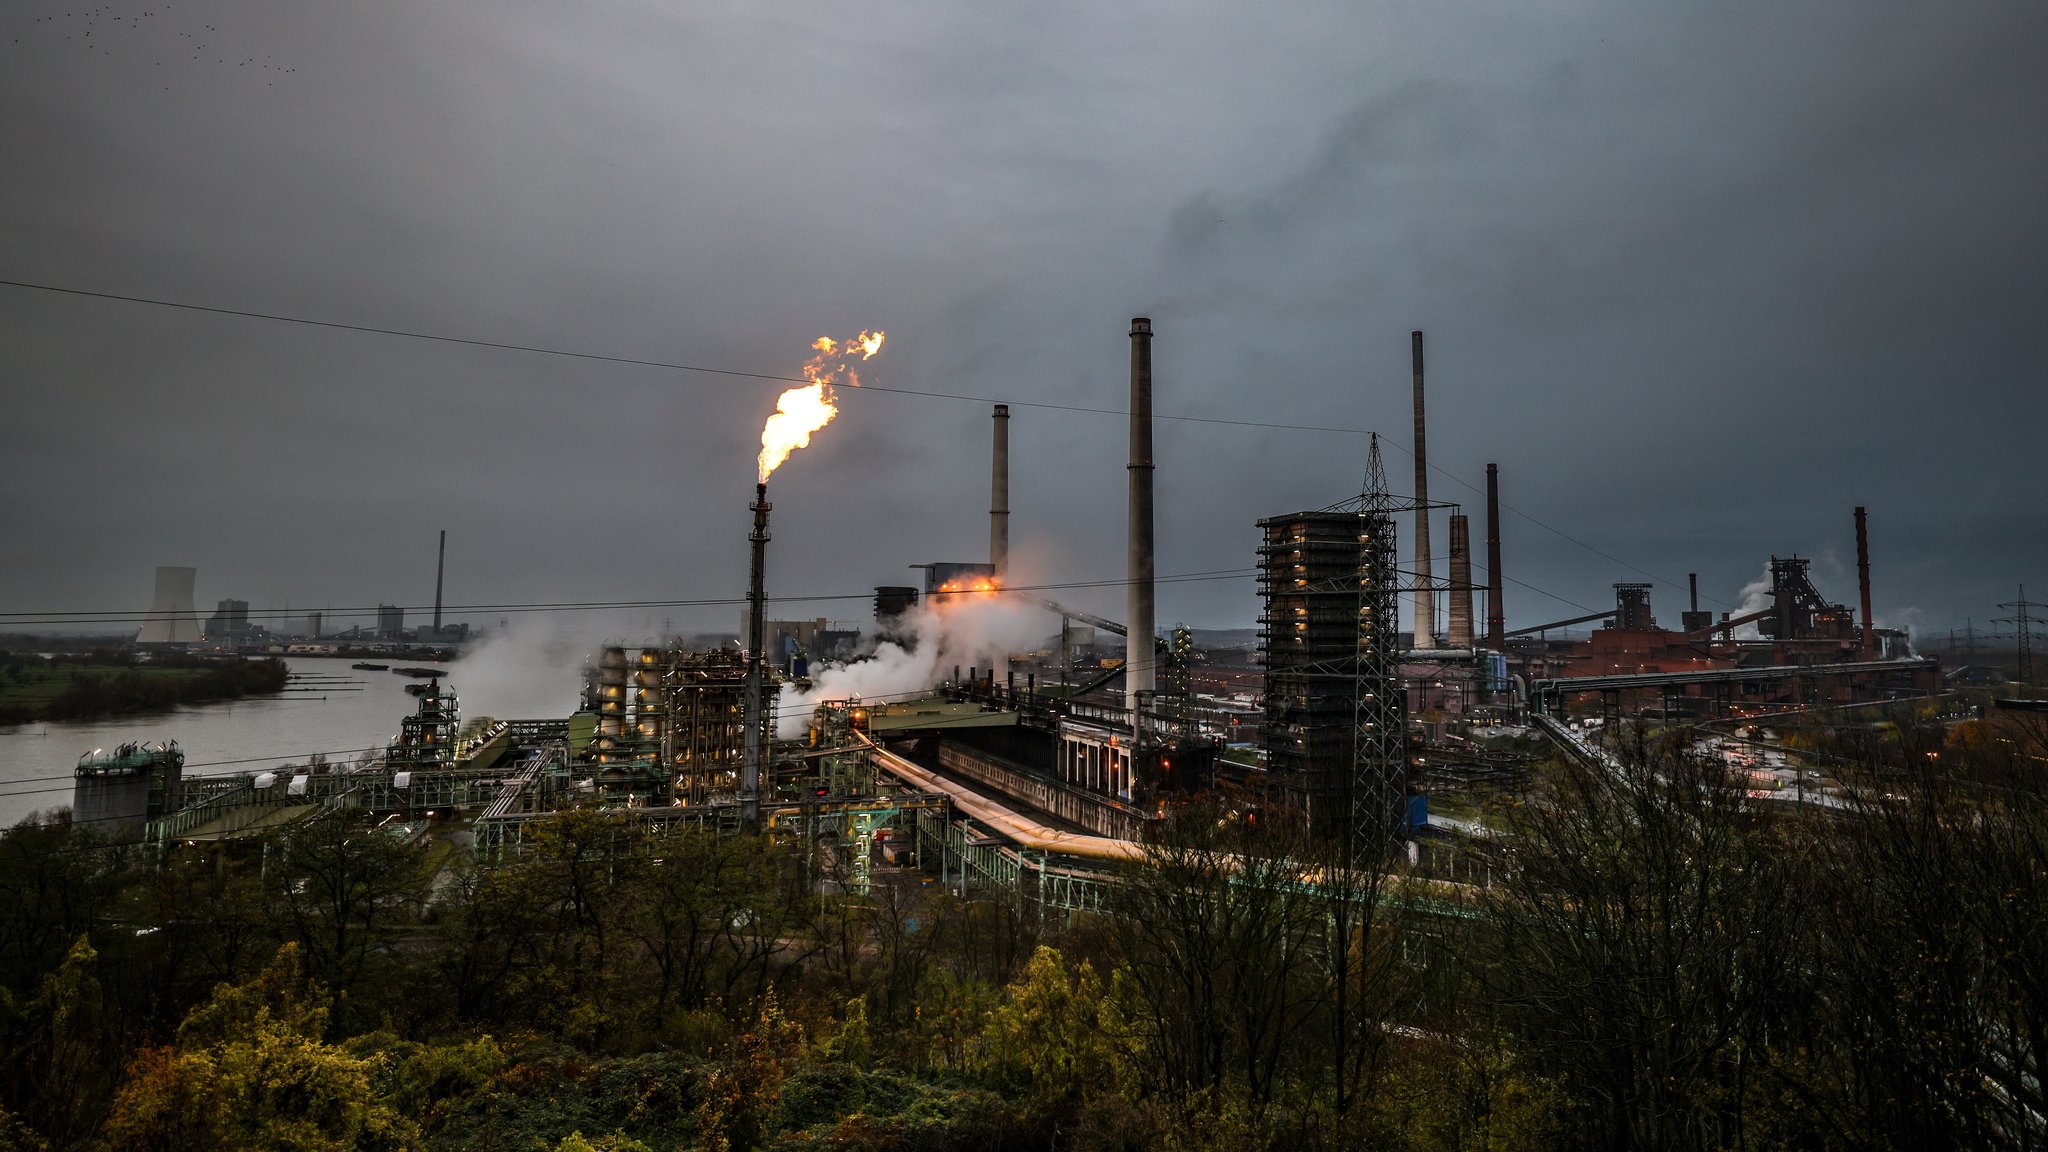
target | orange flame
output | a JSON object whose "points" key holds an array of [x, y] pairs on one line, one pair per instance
{"points": [[802, 411]]}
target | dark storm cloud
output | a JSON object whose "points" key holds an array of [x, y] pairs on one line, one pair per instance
{"points": [[1700, 281]]}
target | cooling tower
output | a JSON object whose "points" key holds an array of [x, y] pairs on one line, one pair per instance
{"points": [[173, 617]]}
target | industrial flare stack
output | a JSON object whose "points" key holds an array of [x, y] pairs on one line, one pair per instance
{"points": [[757, 687]]}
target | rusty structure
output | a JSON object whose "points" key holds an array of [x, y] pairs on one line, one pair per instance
{"points": [[1863, 576]]}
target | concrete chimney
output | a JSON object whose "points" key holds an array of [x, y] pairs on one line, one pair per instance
{"points": [[1863, 577], [1139, 670], [1496, 615], [440, 566], [1461, 581], [1425, 596], [999, 497], [757, 686]]}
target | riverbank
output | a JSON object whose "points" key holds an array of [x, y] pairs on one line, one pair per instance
{"points": [[34, 689]]}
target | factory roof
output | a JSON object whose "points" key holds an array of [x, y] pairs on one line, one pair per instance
{"points": [[935, 713]]}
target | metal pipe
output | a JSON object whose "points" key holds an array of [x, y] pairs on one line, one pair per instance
{"points": [[1461, 582], [757, 687], [1863, 576], [1425, 596], [1139, 670], [999, 497], [1496, 614]]}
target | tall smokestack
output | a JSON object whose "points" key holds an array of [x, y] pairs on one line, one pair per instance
{"points": [[440, 566], [1461, 581], [757, 687], [1496, 614], [1693, 579], [1139, 673], [1863, 576], [1425, 597], [999, 497]]}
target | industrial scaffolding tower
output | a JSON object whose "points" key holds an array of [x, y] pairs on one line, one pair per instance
{"points": [[1336, 713]]}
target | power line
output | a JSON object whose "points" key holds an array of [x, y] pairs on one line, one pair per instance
{"points": [[638, 362], [701, 369], [135, 616]]}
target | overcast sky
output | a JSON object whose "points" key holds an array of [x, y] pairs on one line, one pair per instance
{"points": [[1700, 278]]}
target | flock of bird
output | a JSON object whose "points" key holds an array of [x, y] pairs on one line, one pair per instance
{"points": [[78, 28]]}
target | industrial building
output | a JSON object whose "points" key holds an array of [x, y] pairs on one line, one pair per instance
{"points": [[1331, 745], [1048, 782], [229, 621], [669, 722], [117, 793]]}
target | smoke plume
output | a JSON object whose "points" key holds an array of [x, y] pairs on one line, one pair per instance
{"points": [[523, 670], [1756, 596], [972, 631]]}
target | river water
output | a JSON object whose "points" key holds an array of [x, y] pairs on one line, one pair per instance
{"points": [[337, 710]]}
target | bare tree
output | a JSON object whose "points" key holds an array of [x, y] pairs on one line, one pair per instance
{"points": [[1646, 946]]}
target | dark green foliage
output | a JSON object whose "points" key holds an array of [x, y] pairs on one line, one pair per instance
{"points": [[110, 685], [1663, 963], [547, 1094]]}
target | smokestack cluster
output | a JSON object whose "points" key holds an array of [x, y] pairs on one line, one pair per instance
{"points": [[1461, 582], [1863, 577], [757, 688], [999, 498], [1139, 673], [1496, 614], [1425, 596]]}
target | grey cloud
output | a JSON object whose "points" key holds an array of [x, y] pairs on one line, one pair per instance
{"points": [[1700, 280]]}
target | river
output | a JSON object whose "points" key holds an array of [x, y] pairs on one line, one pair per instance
{"points": [[338, 711]]}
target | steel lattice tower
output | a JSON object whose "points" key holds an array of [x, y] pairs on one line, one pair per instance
{"points": [[2023, 633], [1379, 756]]}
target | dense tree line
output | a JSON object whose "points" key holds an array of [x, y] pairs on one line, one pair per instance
{"points": [[1666, 960], [111, 684]]}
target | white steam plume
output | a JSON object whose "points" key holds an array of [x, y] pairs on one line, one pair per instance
{"points": [[973, 631], [1756, 596], [526, 670]]}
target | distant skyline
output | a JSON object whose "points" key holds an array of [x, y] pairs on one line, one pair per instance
{"points": [[1700, 281]]}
